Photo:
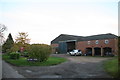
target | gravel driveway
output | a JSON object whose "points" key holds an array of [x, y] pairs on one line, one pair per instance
{"points": [[75, 67]]}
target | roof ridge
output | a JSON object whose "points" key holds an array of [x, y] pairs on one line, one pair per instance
{"points": [[89, 36], [71, 35], [100, 35]]}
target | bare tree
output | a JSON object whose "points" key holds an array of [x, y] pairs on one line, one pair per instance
{"points": [[2, 29]]}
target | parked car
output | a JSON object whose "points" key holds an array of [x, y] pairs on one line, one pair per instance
{"points": [[88, 53], [75, 52], [109, 54]]}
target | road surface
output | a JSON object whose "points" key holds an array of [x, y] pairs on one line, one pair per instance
{"points": [[9, 72]]}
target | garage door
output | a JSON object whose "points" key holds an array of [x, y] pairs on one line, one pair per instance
{"points": [[62, 47]]}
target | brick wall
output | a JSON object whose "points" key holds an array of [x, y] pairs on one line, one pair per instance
{"points": [[54, 47], [82, 45]]}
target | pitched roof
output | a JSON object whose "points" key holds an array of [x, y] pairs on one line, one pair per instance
{"points": [[100, 36], [65, 37]]}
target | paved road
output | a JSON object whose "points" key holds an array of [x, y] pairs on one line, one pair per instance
{"points": [[75, 67], [9, 72]]}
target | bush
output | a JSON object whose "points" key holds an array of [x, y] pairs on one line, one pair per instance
{"points": [[40, 52], [25, 54], [14, 55]]}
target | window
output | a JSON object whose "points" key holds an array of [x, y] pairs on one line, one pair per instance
{"points": [[106, 41], [88, 42], [96, 41]]}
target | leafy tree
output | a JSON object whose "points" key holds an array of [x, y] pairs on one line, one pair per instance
{"points": [[16, 48], [8, 44], [22, 38], [22, 41]]}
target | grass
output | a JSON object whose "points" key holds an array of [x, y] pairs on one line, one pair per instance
{"points": [[111, 67], [23, 61]]}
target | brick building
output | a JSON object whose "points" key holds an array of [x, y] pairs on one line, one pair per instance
{"points": [[96, 44]]}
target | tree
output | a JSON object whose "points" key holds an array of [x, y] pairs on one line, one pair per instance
{"points": [[22, 38], [2, 29], [8, 44], [22, 41]]}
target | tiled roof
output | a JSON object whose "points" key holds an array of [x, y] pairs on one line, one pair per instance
{"points": [[65, 37]]}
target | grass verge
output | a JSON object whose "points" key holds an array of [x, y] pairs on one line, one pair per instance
{"points": [[111, 67], [23, 61]]}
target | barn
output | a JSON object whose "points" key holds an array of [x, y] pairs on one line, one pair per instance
{"points": [[96, 44]]}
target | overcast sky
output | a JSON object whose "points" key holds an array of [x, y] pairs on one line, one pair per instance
{"points": [[44, 20]]}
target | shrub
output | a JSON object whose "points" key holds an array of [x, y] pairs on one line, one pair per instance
{"points": [[40, 52], [14, 55], [25, 54]]}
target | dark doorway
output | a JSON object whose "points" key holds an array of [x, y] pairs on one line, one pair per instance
{"points": [[56, 50], [70, 46], [97, 51], [107, 50], [88, 51]]}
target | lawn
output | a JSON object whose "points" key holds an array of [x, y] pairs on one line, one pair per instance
{"points": [[111, 67], [23, 61]]}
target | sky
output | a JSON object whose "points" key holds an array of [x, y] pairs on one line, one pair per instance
{"points": [[44, 20]]}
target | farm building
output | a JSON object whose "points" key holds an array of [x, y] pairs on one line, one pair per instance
{"points": [[96, 44]]}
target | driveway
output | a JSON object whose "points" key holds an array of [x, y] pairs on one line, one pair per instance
{"points": [[75, 67], [83, 59]]}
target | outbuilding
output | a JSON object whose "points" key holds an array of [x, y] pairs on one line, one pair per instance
{"points": [[97, 44]]}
